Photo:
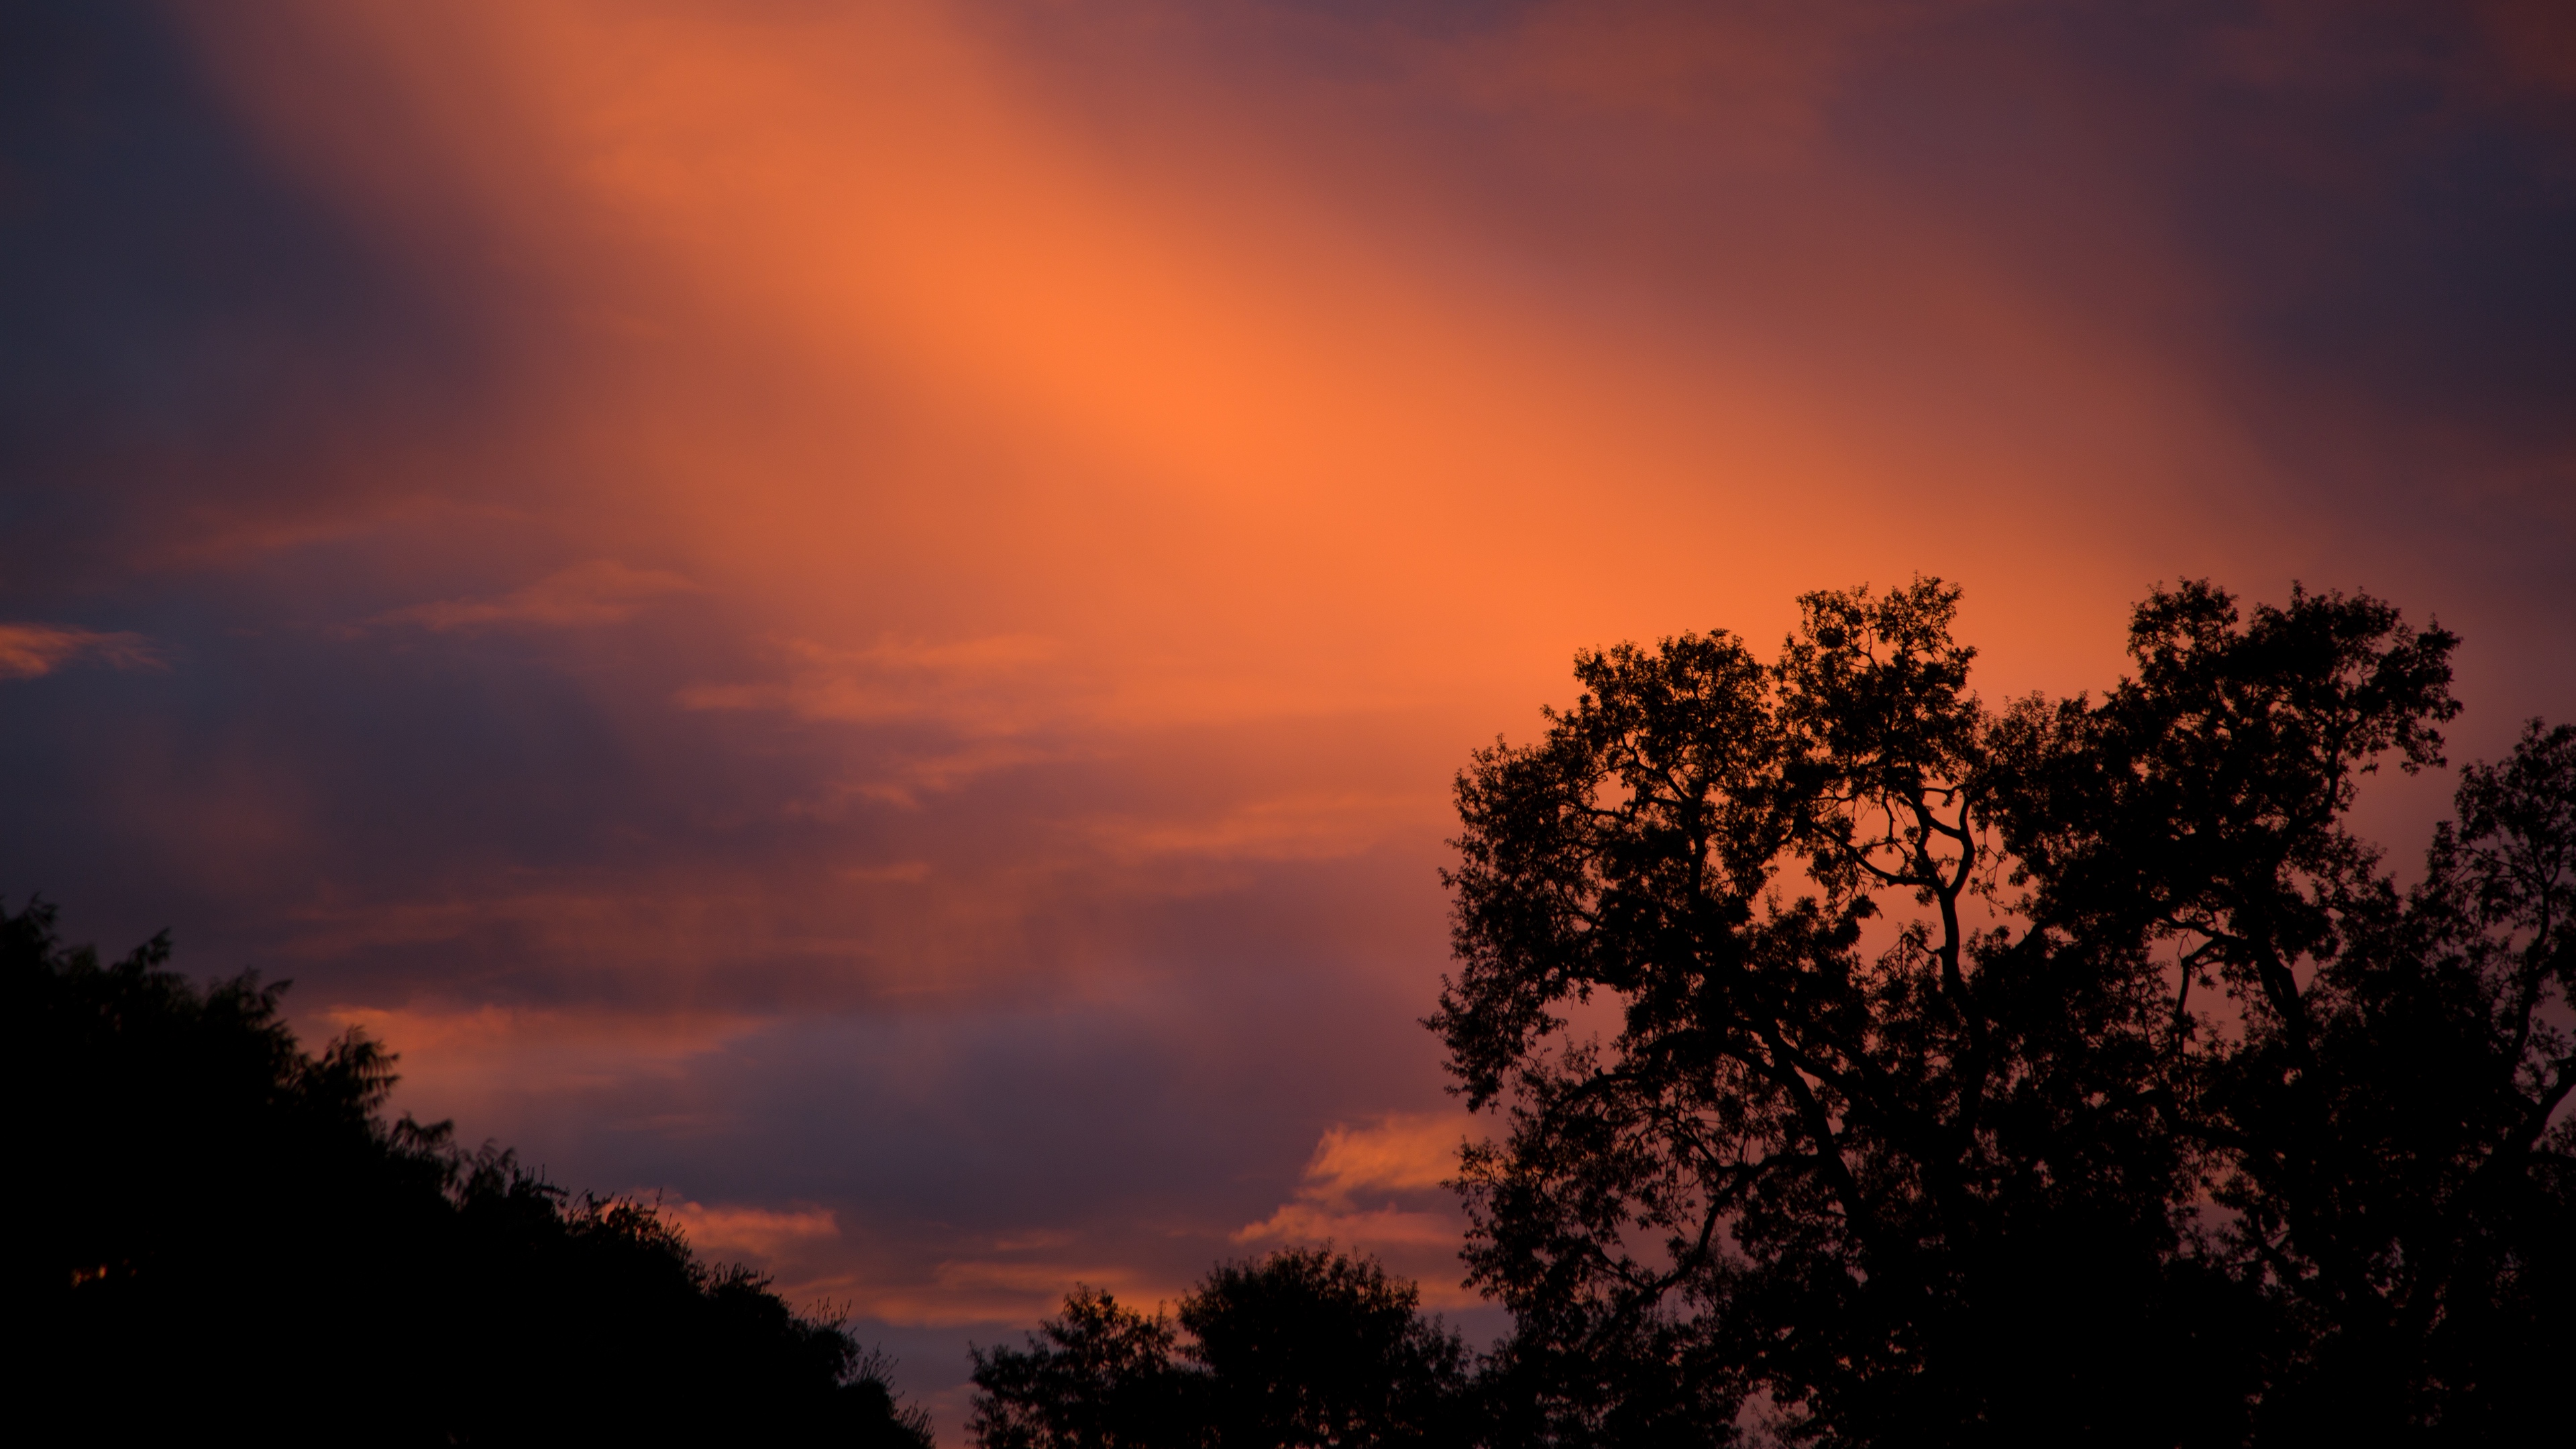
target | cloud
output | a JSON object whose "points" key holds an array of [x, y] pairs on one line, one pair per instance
{"points": [[729, 1232], [977, 1290], [1308, 825], [601, 591], [1402, 1154], [2535, 39], [978, 685], [902, 782], [472, 1066], [1766, 70], [30, 651], [1305, 1222], [1378, 1189]]}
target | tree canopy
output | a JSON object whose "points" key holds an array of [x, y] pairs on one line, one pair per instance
{"points": [[1305, 1347], [218, 1236], [1882, 1067]]}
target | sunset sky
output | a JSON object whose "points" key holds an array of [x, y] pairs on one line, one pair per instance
{"points": [[860, 614]]}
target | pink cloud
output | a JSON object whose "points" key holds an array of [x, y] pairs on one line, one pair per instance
{"points": [[1400, 1163], [30, 651], [601, 591], [732, 1231]]}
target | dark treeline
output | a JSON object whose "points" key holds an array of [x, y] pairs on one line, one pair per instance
{"points": [[220, 1239], [2060, 1073]]}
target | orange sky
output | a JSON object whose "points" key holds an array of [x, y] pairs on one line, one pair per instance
{"points": [[887, 660]]}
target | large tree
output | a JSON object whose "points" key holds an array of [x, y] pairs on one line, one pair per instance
{"points": [[1888, 1068]]}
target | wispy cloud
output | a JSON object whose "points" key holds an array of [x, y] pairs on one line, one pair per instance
{"points": [[903, 782], [601, 591], [758, 1233], [1399, 1157], [1306, 825], [988, 1290], [971, 684], [29, 651]]}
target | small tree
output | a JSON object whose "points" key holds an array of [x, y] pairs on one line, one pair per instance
{"points": [[2067, 1073], [1311, 1347], [1103, 1376], [1303, 1347]]}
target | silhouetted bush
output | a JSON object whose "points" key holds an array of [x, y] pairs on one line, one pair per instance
{"points": [[1303, 1347], [219, 1237]]}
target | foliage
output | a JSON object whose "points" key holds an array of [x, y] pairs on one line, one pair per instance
{"points": [[218, 1235], [1303, 1347], [1103, 1376], [2067, 1072]]}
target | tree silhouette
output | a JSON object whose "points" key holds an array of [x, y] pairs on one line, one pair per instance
{"points": [[1103, 1376], [1302, 1347], [1310, 1347], [217, 1235], [2067, 1073]]}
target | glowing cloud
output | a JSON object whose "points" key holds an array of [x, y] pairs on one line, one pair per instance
{"points": [[602, 591], [1401, 1156], [729, 1232], [30, 651]]}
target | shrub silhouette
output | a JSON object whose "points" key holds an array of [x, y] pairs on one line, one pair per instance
{"points": [[1302, 1347], [219, 1236]]}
